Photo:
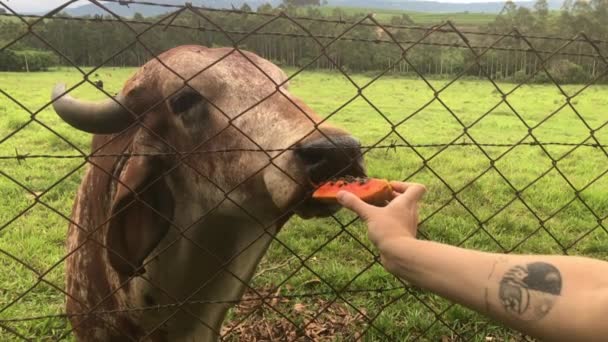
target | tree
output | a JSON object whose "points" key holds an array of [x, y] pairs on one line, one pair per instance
{"points": [[265, 8], [509, 8], [245, 7], [541, 7]]}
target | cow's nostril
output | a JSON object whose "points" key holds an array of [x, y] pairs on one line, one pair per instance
{"points": [[320, 150], [312, 155], [325, 159]]}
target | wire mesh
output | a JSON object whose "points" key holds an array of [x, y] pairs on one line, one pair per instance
{"points": [[488, 193]]}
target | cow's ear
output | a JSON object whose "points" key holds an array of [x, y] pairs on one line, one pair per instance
{"points": [[140, 216]]}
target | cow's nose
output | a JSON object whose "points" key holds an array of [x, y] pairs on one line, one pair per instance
{"points": [[324, 158]]}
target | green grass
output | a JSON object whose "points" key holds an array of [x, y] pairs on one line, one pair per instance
{"points": [[462, 18], [37, 236]]}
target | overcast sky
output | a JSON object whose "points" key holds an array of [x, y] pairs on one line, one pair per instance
{"points": [[45, 5], [36, 5]]}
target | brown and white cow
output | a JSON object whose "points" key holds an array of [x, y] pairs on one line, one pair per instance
{"points": [[152, 227]]}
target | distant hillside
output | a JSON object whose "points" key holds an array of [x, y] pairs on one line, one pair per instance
{"points": [[439, 7], [401, 5], [147, 11]]}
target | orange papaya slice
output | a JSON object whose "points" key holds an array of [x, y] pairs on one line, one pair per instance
{"points": [[370, 190]]}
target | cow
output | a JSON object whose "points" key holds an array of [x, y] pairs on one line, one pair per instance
{"points": [[196, 164]]}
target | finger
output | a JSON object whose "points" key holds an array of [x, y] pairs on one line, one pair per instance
{"points": [[416, 191], [354, 203], [401, 186], [413, 194]]}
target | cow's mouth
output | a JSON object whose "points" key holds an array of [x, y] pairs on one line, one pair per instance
{"points": [[321, 174], [323, 160]]}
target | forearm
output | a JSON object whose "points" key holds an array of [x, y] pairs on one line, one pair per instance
{"points": [[552, 297]]}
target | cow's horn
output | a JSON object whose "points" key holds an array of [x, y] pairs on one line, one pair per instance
{"points": [[103, 117]]}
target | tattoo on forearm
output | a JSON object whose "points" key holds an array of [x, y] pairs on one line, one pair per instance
{"points": [[530, 291]]}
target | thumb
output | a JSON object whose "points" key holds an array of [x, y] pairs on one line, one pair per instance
{"points": [[354, 203]]}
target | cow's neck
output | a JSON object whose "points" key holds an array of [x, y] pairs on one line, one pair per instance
{"points": [[213, 261]]}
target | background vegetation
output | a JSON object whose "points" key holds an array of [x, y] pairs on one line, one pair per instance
{"points": [[287, 41]]}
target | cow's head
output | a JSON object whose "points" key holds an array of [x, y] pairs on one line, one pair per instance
{"points": [[231, 101]]}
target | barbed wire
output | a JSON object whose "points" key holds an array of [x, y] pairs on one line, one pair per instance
{"points": [[387, 147]]}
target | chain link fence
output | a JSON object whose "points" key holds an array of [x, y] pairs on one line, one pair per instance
{"points": [[503, 175]]}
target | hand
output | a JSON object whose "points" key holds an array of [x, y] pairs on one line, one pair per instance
{"points": [[398, 219]]}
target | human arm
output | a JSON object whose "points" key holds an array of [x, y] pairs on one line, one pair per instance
{"points": [[555, 298]]}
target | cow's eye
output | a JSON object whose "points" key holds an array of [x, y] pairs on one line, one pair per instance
{"points": [[184, 100]]}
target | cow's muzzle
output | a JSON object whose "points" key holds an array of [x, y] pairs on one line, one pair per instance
{"points": [[331, 157], [326, 158]]}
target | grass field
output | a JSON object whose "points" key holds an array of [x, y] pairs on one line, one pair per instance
{"points": [[36, 238]]}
